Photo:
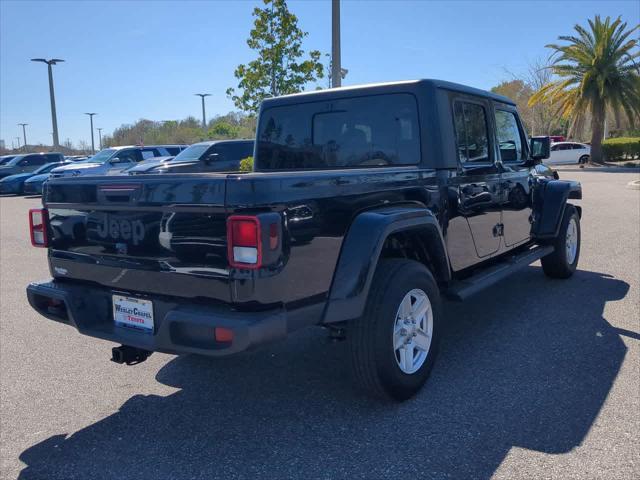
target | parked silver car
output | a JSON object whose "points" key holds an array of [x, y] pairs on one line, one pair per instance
{"points": [[114, 160]]}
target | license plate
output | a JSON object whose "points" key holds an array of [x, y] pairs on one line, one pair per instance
{"points": [[133, 313]]}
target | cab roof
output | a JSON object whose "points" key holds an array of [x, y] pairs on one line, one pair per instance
{"points": [[386, 87]]}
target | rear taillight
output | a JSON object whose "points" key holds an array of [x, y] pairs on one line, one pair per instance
{"points": [[244, 242], [38, 225]]}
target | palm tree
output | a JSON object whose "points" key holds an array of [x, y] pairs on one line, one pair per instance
{"points": [[597, 70]]}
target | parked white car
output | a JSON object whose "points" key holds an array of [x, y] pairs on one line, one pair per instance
{"points": [[569, 152]]}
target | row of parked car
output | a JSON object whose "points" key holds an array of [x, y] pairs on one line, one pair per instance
{"points": [[26, 174]]}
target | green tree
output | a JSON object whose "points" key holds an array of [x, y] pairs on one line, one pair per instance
{"points": [[518, 91], [222, 129], [597, 71], [280, 68]]}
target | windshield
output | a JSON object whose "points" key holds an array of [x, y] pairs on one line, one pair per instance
{"points": [[191, 154], [5, 160], [46, 168], [102, 156], [14, 161]]}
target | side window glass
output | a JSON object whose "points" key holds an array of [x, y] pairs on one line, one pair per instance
{"points": [[472, 139], [127, 156], [148, 154], [509, 138]]}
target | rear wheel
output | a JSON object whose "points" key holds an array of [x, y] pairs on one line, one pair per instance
{"points": [[394, 344], [583, 160], [564, 259]]}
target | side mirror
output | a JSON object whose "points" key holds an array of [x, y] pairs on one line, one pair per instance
{"points": [[540, 148]]}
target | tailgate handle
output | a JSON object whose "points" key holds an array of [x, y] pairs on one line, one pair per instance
{"points": [[121, 193]]}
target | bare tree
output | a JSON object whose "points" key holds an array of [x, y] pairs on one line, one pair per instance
{"points": [[83, 145]]}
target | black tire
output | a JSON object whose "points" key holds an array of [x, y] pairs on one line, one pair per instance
{"points": [[556, 264], [583, 160], [370, 338]]}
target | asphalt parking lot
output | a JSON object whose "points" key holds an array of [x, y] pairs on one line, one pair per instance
{"points": [[537, 378]]}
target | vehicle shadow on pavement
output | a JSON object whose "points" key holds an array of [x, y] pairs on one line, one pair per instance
{"points": [[528, 363]]}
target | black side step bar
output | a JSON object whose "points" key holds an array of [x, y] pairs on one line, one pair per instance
{"points": [[463, 289]]}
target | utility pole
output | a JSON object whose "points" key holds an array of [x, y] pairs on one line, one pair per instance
{"points": [[100, 137], [54, 119], [93, 147], [336, 67], [204, 117], [24, 135], [18, 139]]}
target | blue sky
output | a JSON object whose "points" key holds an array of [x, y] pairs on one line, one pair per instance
{"points": [[128, 60]]}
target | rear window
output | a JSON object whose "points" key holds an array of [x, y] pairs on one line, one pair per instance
{"points": [[369, 131]]}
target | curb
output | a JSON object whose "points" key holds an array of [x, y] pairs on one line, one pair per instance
{"points": [[634, 185]]}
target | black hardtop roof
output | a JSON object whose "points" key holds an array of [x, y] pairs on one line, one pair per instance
{"points": [[387, 87]]}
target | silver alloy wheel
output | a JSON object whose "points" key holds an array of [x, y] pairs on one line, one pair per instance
{"points": [[571, 242], [413, 331]]}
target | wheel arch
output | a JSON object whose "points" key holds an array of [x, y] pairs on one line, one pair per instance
{"points": [[394, 232], [550, 202]]}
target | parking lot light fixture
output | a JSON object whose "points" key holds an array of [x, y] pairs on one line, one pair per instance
{"points": [[52, 97], [24, 134], [93, 147], [204, 117]]}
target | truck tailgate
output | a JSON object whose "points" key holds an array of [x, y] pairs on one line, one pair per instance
{"points": [[164, 234]]}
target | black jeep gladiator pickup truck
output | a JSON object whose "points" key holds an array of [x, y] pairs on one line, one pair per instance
{"points": [[367, 204]]}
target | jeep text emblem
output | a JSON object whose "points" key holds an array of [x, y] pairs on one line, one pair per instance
{"points": [[121, 229]]}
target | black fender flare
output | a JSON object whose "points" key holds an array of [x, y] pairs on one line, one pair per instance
{"points": [[361, 250], [549, 205]]}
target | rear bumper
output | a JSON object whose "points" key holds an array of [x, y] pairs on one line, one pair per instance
{"points": [[179, 327]]}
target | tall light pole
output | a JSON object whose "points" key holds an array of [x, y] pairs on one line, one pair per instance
{"points": [[93, 147], [24, 134], [204, 117], [18, 139], [336, 68], [54, 119], [99, 137]]}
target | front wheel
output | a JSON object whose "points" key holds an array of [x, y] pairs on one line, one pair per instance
{"points": [[562, 263], [394, 344]]}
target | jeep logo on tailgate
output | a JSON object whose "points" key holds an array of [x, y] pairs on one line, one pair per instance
{"points": [[120, 229]]}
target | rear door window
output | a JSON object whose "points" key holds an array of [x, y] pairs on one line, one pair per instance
{"points": [[173, 151], [371, 131], [472, 138], [149, 153], [32, 160], [230, 152], [129, 156]]}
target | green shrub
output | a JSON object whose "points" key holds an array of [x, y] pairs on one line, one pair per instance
{"points": [[619, 149], [246, 164]]}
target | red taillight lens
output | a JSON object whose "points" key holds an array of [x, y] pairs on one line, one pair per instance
{"points": [[245, 232], [223, 335], [38, 224], [244, 245]]}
